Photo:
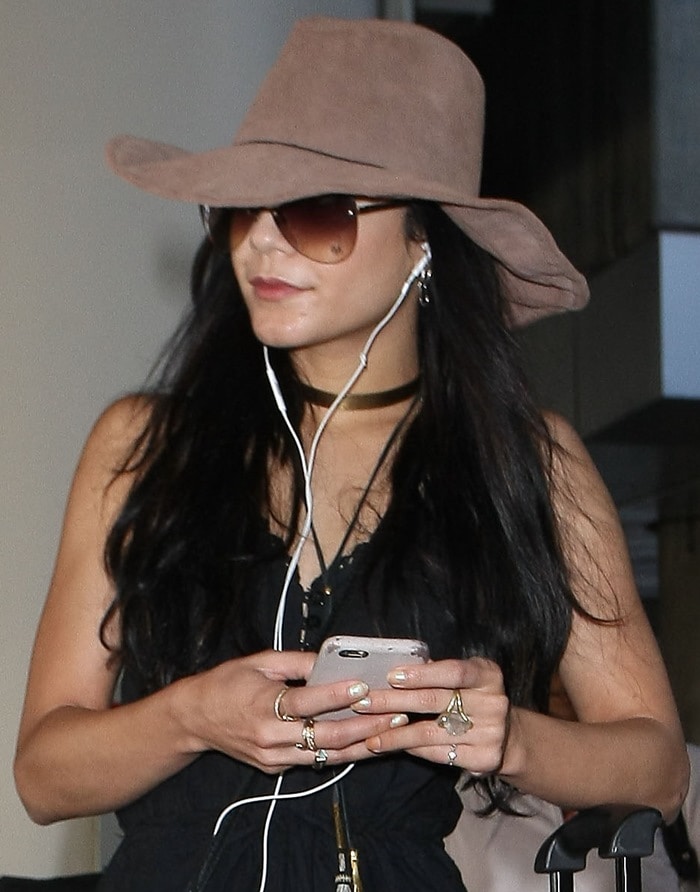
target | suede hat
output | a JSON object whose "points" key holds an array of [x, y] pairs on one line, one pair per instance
{"points": [[375, 108]]}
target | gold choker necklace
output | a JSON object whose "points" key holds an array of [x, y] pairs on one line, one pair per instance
{"points": [[377, 400]]}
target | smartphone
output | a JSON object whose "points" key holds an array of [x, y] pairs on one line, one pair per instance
{"points": [[346, 657]]}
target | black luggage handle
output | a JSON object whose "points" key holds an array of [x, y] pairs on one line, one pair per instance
{"points": [[623, 832]]}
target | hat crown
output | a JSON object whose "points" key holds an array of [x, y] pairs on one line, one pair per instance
{"points": [[389, 95]]}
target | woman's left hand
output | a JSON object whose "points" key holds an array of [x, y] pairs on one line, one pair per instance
{"points": [[475, 685]]}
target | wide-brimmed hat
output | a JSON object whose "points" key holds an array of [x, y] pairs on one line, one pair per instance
{"points": [[374, 108]]}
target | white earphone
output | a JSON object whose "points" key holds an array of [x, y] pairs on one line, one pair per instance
{"points": [[307, 464]]}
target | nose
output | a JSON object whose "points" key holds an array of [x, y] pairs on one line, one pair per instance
{"points": [[265, 236]]}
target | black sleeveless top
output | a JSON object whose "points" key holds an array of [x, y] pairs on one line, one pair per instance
{"points": [[399, 807]]}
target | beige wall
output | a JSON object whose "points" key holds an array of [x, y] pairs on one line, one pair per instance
{"points": [[92, 273]]}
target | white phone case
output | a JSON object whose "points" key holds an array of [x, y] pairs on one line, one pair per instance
{"points": [[346, 657]]}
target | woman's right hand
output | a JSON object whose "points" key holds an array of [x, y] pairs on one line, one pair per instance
{"points": [[78, 756], [231, 709]]}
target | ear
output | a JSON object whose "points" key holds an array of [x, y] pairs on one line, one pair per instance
{"points": [[415, 231]]}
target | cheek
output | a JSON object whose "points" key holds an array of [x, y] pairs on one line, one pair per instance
{"points": [[386, 267], [237, 264]]}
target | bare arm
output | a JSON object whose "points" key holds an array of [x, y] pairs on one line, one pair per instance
{"points": [[78, 755], [627, 745], [75, 755]]}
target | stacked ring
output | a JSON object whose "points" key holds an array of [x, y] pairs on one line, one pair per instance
{"points": [[308, 737], [452, 755]]}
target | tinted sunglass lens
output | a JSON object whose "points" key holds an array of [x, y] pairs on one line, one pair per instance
{"points": [[238, 225], [217, 225], [323, 228]]}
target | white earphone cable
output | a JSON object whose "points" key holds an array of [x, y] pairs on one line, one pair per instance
{"points": [[307, 465]]}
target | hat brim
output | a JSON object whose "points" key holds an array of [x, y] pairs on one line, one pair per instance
{"points": [[538, 278]]}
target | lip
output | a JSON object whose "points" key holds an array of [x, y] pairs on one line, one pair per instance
{"points": [[271, 288]]}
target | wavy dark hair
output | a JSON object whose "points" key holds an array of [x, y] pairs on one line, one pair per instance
{"points": [[470, 507]]}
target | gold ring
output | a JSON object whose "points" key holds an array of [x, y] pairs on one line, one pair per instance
{"points": [[308, 737], [279, 712], [454, 719]]}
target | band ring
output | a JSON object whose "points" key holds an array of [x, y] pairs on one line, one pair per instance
{"points": [[308, 737], [320, 758], [279, 711], [454, 719], [452, 755]]}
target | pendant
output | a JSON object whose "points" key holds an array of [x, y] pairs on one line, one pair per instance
{"points": [[315, 613]]}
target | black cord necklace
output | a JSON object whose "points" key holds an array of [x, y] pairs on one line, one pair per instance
{"points": [[317, 606]]}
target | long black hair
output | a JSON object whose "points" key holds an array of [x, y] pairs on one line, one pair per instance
{"points": [[470, 509]]}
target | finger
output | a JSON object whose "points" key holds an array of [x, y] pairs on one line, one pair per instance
{"points": [[283, 665], [433, 701], [485, 741], [342, 741], [328, 734], [315, 700], [338, 735], [427, 734], [477, 673], [423, 701], [472, 760], [277, 761]]}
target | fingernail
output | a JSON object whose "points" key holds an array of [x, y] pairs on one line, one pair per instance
{"points": [[374, 744], [398, 675], [359, 689], [365, 703], [398, 720]]}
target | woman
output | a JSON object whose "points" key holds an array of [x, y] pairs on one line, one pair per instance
{"points": [[220, 527]]}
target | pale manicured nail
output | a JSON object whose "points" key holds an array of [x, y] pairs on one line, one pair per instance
{"points": [[359, 689], [365, 703], [398, 720], [398, 676]]}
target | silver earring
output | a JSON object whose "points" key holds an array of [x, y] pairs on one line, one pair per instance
{"points": [[424, 293]]}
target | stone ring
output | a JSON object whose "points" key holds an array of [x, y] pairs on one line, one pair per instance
{"points": [[320, 758], [308, 737], [454, 719], [279, 710], [452, 755]]}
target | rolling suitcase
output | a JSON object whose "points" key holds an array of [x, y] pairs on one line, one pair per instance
{"points": [[623, 833]]}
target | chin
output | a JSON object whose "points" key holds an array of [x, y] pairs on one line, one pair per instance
{"points": [[279, 340], [281, 333]]}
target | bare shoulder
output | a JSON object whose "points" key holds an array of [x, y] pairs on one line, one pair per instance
{"points": [[100, 486], [103, 470], [118, 427], [570, 453], [591, 534], [577, 486]]}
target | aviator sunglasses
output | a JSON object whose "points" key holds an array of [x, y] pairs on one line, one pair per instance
{"points": [[322, 228]]}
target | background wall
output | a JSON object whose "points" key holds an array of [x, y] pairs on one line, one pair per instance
{"points": [[93, 273]]}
